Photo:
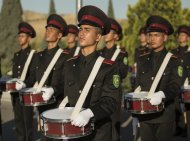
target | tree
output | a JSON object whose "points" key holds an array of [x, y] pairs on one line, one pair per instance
{"points": [[10, 17], [110, 10], [52, 7]]}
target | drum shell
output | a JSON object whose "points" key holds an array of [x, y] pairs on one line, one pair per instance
{"points": [[62, 128], [8, 86], [186, 96], [29, 98], [141, 106]]}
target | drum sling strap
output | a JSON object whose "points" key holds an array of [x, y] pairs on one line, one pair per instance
{"points": [[159, 73], [48, 70], [27, 63], [77, 51], [116, 53], [87, 87]]}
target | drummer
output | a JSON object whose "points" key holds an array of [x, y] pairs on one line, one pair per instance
{"points": [[56, 28], [158, 126], [183, 51], [23, 115], [102, 99]]}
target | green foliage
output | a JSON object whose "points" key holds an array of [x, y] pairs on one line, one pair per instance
{"points": [[10, 17]]}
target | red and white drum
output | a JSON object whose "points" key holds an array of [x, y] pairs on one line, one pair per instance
{"points": [[56, 123], [185, 97], [29, 97], [138, 103], [8, 85]]}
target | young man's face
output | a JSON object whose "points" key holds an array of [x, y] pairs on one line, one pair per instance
{"points": [[156, 40], [142, 38], [71, 38], [88, 36], [52, 34], [23, 39], [111, 36], [183, 38]]}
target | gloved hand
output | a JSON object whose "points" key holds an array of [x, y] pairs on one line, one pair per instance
{"points": [[83, 118], [47, 93], [157, 97], [20, 84]]}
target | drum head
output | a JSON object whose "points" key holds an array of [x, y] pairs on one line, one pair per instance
{"points": [[58, 114], [140, 95]]}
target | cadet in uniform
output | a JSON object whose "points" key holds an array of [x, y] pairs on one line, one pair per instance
{"points": [[182, 51], [102, 99], [23, 115], [72, 39], [56, 28], [158, 126], [108, 51]]}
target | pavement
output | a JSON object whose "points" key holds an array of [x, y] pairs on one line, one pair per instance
{"points": [[9, 128]]}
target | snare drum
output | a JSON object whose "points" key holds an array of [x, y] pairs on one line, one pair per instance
{"points": [[8, 85], [56, 123], [185, 97], [28, 97], [138, 103]]}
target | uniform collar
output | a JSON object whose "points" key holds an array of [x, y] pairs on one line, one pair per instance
{"points": [[52, 51], [87, 59]]}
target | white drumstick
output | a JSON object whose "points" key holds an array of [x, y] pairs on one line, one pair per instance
{"points": [[63, 103]]}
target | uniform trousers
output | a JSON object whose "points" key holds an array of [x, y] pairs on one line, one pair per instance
{"points": [[156, 132], [23, 116]]}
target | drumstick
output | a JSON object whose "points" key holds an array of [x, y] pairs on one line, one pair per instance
{"points": [[63, 103], [159, 74], [186, 83]]}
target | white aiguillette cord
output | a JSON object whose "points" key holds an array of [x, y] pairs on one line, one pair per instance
{"points": [[48, 70], [23, 75], [87, 87], [116, 53], [159, 74]]}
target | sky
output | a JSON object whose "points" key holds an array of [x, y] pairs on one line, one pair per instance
{"points": [[69, 6]]}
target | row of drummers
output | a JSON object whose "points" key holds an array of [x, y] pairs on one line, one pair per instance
{"points": [[56, 123]]}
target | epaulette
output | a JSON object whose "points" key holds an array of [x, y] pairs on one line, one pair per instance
{"points": [[144, 54], [65, 51], [107, 61], [73, 58], [174, 56]]}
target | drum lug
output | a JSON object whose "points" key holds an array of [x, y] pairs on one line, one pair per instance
{"points": [[31, 100], [83, 130], [44, 126], [62, 129]]}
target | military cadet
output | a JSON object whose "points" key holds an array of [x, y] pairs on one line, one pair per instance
{"points": [[108, 52], [158, 126], [102, 99], [23, 116], [182, 51], [72, 39], [56, 28]]}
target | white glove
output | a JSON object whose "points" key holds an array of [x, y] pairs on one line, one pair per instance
{"points": [[157, 97], [20, 84], [83, 118], [47, 93]]}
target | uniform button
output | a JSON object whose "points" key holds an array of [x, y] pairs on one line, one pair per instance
{"points": [[148, 58], [94, 86], [80, 91], [143, 72], [53, 68], [73, 65], [40, 54], [181, 61], [152, 78], [19, 67]]}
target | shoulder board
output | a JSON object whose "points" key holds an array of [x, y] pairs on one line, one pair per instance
{"points": [[107, 61], [73, 58], [65, 51], [144, 54], [174, 56], [123, 52]]}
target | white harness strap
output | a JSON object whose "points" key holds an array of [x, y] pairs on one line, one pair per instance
{"points": [[77, 51], [159, 73], [27, 63], [116, 53], [87, 87], [48, 70]]}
